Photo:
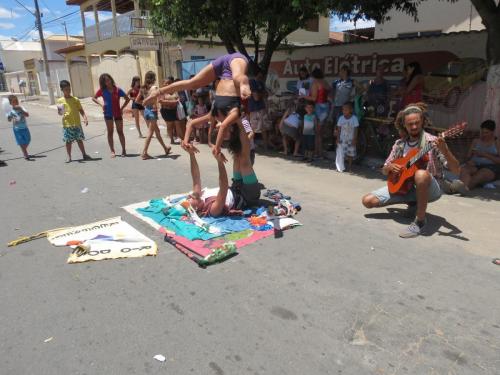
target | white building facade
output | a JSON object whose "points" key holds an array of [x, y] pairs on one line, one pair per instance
{"points": [[434, 18]]}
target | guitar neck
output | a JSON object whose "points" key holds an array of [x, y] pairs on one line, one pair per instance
{"points": [[452, 132]]}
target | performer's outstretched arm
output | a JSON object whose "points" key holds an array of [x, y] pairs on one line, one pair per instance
{"points": [[204, 77]]}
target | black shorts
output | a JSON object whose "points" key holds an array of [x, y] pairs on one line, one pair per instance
{"points": [[169, 114], [224, 104], [308, 142], [245, 195], [111, 118], [137, 106]]}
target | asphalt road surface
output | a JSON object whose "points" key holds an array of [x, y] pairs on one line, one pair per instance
{"points": [[340, 295]]}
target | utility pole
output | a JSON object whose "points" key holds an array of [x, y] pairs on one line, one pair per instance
{"points": [[44, 52], [66, 31]]}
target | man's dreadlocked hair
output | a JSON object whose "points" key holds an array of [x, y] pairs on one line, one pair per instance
{"points": [[420, 108]]}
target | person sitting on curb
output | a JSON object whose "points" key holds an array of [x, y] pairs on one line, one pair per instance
{"points": [[425, 187], [483, 165]]}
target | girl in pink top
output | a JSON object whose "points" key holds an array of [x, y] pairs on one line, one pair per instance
{"points": [[201, 110], [414, 84]]}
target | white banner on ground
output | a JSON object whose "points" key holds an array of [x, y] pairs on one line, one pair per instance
{"points": [[106, 239]]}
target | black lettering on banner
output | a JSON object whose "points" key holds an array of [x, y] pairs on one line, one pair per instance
{"points": [[93, 253], [126, 250], [105, 251]]}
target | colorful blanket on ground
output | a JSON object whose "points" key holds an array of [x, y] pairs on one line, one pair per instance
{"points": [[232, 229], [175, 220]]}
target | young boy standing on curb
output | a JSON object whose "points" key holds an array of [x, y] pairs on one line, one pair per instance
{"points": [[18, 117], [70, 109]]}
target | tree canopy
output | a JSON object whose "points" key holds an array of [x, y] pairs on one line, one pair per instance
{"points": [[265, 24]]}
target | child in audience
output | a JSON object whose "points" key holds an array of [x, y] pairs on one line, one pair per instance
{"points": [[21, 132], [289, 129], [70, 108], [347, 133], [200, 110], [308, 131], [245, 121]]}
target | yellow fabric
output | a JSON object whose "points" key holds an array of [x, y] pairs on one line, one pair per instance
{"points": [[72, 107]]}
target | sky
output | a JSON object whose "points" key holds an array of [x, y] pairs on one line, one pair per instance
{"points": [[15, 21]]}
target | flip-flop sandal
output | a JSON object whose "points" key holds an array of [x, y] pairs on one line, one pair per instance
{"points": [[169, 151], [146, 157], [270, 192], [496, 261], [279, 196]]}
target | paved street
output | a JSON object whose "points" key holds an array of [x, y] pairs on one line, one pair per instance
{"points": [[341, 295]]}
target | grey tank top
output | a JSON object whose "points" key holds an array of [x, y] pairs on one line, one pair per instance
{"points": [[491, 149]]}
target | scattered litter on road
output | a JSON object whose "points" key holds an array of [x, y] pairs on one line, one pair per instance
{"points": [[84, 190], [372, 248], [160, 357], [131, 128], [49, 339], [16, 228], [13, 182], [399, 282], [96, 152]]}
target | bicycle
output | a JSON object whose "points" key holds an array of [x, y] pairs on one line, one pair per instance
{"points": [[377, 135]]}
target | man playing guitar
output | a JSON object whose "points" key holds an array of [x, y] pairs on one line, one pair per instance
{"points": [[425, 185]]}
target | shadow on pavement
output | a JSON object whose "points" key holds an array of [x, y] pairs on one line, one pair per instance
{"points": [[169, 156], [327, 164], [435, 224], [484, 194], [84, 161]]}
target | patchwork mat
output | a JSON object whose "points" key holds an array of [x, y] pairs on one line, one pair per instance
{"points": [[232, 229]]}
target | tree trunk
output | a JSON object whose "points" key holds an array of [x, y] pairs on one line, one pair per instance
{"points": [[492, 101], [490, 16], [493, 43]]}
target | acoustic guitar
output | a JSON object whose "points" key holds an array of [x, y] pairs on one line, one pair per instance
{"points": [[401, 183]]}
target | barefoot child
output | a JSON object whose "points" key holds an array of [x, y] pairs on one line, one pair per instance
{"points": [[70, 108], [113, 112], [308, 131], [200, 110], [151, 115], [18, 117], [137, 109], [347, 133]]}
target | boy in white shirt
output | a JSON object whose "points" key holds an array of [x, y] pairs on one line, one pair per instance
{"points": [[347, 133]]}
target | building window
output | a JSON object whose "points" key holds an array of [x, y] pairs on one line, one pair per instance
{"points": [[197, 57], [312, 24]]}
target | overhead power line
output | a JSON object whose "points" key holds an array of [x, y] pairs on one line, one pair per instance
{"points": [[58, 18], [32, 13]]}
